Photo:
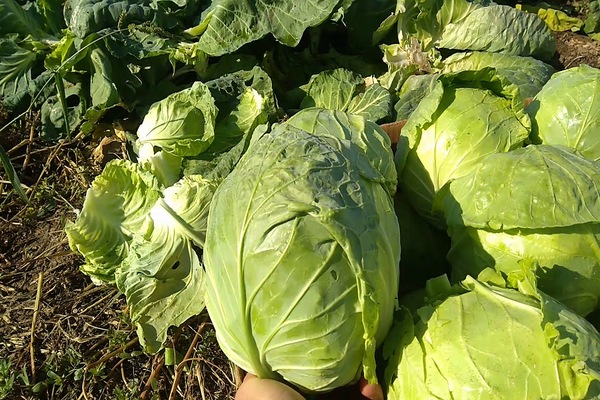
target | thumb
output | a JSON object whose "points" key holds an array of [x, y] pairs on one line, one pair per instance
{"points": [[254, 388], [370, 391]]}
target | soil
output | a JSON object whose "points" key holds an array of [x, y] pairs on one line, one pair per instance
{"points": [[66, 338], [573, 49]]}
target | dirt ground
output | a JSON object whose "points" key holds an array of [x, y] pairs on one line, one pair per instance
{"points": [[62, 337], [573, 49]]}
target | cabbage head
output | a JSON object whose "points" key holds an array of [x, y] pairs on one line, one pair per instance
{"points": [[484, 341], [566, 111], [465, 117], [302, 251], [538, 203]]}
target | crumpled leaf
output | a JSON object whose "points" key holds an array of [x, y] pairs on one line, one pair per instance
{"points": [[162, 279], [403, 61], [164, 165], [114, 210]]}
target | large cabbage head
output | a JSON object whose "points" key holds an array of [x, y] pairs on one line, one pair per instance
{"points": [[483, 341], [302, 252], [465, 117], [538, 203]]}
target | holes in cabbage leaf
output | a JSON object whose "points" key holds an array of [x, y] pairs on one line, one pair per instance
{"points": [[176, 265], [73, 101], [334, 274]]}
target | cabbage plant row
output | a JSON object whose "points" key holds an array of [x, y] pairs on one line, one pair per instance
{"points": [[401, 190]]}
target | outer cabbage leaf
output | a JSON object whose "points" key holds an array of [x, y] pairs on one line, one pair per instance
{"points": [[535, 187], [458, 343], [500, 29], [16, 63], [53, 124], [231, 89], [15, 18], [481, 25], [103, 90], [453, 128], [592, 21], [331, 89], [296, 209], [246, 101], [567, 111], [413, 90], [84, 17], [162, 277], [344, 90], [183, 123], [217, 167], [114, 210], [229, 24], [251, 111], [556, 20], [373, 104], [529, 74], [363, 19]]}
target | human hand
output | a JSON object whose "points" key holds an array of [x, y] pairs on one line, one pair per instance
{"points": [[254, 388]]}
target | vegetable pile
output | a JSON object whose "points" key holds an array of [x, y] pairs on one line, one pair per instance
{"points": [[403, 190]]}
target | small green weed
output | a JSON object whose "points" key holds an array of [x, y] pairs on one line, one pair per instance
{"points": [[7, 378]]}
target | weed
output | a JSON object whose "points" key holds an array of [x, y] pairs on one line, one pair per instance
{"points": [[7, 378]]}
